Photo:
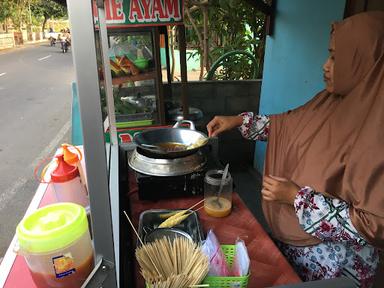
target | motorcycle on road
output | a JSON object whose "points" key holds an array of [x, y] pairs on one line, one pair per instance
{"points": [[53, 37], [65, 44]]}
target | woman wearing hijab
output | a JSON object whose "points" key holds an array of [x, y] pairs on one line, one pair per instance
{"points": [[323, 186]]}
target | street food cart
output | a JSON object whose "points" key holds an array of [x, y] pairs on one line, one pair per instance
{"points": [[112, 184], [116, 50]]}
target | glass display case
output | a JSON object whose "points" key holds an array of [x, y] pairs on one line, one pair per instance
{"points": [[135, 86], [128, 38]]}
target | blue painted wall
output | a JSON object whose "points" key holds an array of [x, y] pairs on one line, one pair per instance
{"points": [[294, 56]]}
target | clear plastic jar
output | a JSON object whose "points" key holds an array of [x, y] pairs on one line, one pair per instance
{"points": [[216, 205], [56, 244]]}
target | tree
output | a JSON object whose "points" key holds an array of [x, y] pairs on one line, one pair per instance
{"points": [[202, 36], [16, 10], [7, 7], [47, 9], [221, 26]]}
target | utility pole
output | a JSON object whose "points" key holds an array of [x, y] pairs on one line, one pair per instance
{"points": [[30, 20], [30, 13]]}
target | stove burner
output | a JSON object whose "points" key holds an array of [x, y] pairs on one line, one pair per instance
{"points": [[177, 177], [166, 167], [155, 188]]}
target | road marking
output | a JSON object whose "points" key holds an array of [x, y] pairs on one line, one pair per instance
{"points": [[2, 74], [52, 145], [7, 195], [46, 57]]}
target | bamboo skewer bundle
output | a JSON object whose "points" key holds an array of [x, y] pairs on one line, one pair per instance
{"points": [[179, 262]]}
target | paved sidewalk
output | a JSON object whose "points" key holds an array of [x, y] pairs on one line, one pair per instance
{"points": [[26, 44]]}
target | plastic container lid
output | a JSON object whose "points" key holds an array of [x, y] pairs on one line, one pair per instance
{"points": [[63, 172], [69, 157], [52, 227]]}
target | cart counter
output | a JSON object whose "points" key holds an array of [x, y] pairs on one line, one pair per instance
{"points": [[268, 265]]}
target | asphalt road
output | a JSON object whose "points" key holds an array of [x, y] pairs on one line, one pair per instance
{"points": [[35, 103]]}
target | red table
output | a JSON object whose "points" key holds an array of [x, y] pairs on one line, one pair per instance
{"points": [[268, 265]]}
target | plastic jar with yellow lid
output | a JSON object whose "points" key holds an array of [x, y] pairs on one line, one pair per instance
{"points": [[56, 244]]}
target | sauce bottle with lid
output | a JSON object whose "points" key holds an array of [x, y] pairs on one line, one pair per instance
{"points": [[67, 184], [74, 159]]}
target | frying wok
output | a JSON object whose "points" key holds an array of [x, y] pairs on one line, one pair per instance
{"points": [[171, 142]]}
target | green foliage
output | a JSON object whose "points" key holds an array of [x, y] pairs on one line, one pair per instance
{"points": [[16, 10], [234, 65], [23, 11], [235, 68], [48, 9], [7, 7], [233, 25]]}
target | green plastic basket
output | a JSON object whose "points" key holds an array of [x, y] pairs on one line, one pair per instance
{"points": [[227, 282]]}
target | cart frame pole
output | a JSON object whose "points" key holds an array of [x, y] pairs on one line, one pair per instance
{"points": [[84, 56]]}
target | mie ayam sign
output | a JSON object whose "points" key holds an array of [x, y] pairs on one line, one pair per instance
{"points": [[125, 13]]}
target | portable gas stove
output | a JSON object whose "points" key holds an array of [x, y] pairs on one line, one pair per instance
{"points": [[159, 178]]}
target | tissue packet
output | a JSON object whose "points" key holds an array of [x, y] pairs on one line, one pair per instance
{"points": [[240, 266], [217, 263]]}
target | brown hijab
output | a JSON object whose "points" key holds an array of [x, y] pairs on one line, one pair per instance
{"points": [[335, 142]]}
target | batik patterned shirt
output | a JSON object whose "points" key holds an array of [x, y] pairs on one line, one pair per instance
{"points": [[343, 251]]}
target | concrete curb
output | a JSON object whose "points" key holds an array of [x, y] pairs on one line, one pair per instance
{"points": [[15, 48], [25, 45]]}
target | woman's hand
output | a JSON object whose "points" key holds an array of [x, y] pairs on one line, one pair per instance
{"points": [[279, 189], [220, 124]]}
